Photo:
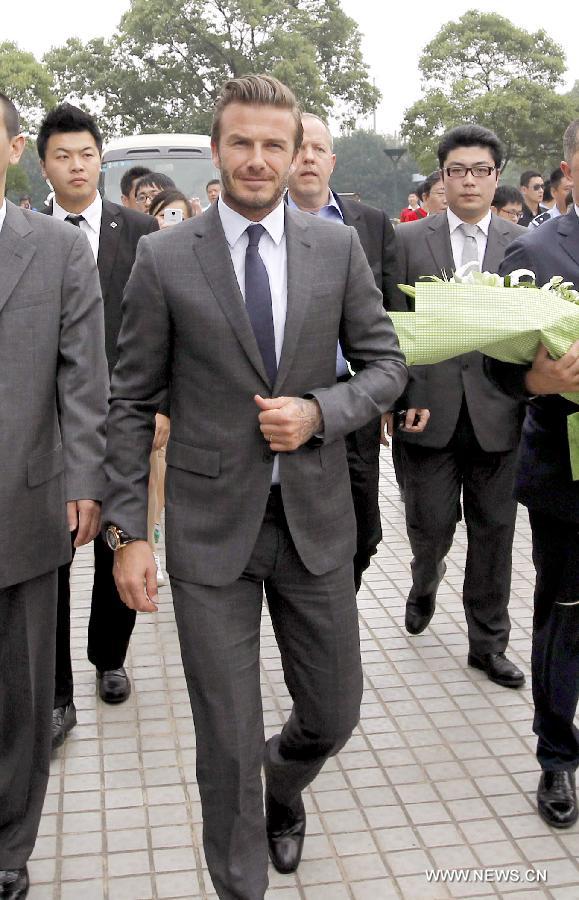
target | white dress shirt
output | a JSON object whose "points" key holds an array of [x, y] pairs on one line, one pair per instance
{"points": [[457, 238], [273, 252], [2, 213], [92, 220]]}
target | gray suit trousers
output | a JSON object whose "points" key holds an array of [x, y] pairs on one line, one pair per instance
{"points": [[27, 653], [315, 622]]}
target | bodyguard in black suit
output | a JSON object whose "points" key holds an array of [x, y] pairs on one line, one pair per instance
{"points": [[69, 146], [309, 190], [471, 440], [544, 484]]}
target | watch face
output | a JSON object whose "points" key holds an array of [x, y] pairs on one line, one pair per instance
{"points": [[113, 538]]}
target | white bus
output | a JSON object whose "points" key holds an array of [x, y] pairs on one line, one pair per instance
{"points": [[186, 158]]}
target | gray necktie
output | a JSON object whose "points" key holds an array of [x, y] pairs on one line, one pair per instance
{"points": [[470, 246], [258, 301], [74, 220]]}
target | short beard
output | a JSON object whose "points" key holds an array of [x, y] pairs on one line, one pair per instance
{"points": [[232, 199]]}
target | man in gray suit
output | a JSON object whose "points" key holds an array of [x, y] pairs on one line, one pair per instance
{"points": [[471, 439], [241, 310], [53, 394]]}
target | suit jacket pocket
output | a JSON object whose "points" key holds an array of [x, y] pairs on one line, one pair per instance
{"points": [[43, 468], [193, 459]]}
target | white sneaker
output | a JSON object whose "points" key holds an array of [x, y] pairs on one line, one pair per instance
{"points": [[161, 580]]}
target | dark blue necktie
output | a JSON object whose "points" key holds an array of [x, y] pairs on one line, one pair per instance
{"points": [[258, 301]]}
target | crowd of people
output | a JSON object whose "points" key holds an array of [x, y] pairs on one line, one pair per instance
{"points": [[243, 353]]}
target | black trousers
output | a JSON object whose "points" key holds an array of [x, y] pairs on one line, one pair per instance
{"points": [[27, 632], [315, 622], [433, 481], [555, 655], [110, 626], [363, 449]]}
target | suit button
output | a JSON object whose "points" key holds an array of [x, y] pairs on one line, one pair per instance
{"points": [[267, 456]]}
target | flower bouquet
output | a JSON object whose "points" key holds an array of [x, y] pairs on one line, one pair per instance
{"points": [[506, 318]]}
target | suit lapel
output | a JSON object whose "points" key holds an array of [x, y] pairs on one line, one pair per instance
{"points": [[109, 239], [568, 232], [214, 258], [438, 242], [353, 217], [299, 282], [499, 237], [17, 247]]}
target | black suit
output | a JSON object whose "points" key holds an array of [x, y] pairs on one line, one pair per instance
{"points": [[111, 622], [544, 484], [469, 445]]}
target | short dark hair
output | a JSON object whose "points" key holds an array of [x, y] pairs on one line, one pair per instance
{"points": [[166, 198], [154, 179], [10, 115], [547, 185], [527, 175], [213, 181], [470, 136], [430, 181], [257, 90], [556, 177], [130, 176], [64, 119], [507, 194]]}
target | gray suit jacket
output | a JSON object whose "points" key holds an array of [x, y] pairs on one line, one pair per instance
{"points": [[53, 389], [185, 323], [424, 249]]}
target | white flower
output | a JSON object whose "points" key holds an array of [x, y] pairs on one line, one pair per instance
{"points": [[518, 274]]}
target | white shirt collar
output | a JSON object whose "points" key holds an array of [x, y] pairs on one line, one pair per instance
{"points": [[454, 222], [2, 213], [577, 210], [234, 225], [92, 214]]}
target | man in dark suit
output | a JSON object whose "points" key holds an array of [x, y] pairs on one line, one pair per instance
{"points": [[545, 485], [471, 439], [53, 397], [69, 146], [309, 190], [241, 310]]}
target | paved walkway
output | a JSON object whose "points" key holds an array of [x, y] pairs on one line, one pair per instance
{"points": [[439, 775]]}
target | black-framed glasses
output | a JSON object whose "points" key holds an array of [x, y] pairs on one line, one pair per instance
{"points": [[476, 171]]}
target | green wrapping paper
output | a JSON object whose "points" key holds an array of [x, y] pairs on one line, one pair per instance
{"points": [[505, 323]]}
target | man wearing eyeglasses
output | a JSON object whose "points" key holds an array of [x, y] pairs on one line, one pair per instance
{"points": [[470, 442], [532, 189]]}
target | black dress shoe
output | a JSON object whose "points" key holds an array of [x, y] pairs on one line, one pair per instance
{"points": [[114, 685], [14, 883], [286, 829], [63, 719], [419, 612], [557, 799], [498, 668]]}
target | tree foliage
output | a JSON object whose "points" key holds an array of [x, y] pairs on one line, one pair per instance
{"points": [[27, 82], [484, 70], [163, 68], [363, 167]]}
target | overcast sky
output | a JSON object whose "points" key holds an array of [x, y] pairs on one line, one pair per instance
{"points": [[393, 35]]}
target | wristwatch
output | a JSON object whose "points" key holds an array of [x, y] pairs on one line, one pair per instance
{"points": [[117, 538]]}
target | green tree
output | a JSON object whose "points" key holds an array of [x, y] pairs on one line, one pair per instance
{"points": [[27, 82], [483, 69], [362, 167], [163, 68]]}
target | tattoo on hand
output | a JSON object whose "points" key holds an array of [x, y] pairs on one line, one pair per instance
{"points": [[310, 418]]}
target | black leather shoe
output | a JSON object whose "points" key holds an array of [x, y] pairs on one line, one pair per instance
{"points": [[114, 685], [557, 799], [63, 719], [286, 829], [498, 668], [14, 883], [419, 612]]}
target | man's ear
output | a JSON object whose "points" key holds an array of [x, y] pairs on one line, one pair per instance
{"points": [[17, 146], [215, 155]]}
